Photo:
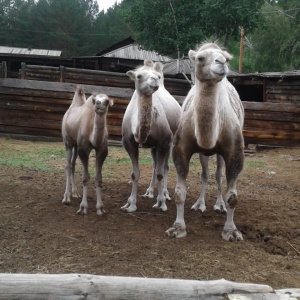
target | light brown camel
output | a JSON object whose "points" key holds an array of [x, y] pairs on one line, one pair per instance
{"points": [[83, 129], [211, 123], [151, 118]]}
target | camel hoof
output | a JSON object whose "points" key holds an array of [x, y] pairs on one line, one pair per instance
{"points": [[221, 209], [161, 206], [232, 235], [66, 201], [166, 194], [197, 206], [129, 207], [148, 195], [100, 211], [177, 231], [81, 211]]}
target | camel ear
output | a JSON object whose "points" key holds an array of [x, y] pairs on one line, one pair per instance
{"points": [[192, 55], [158, 66], [111, 101], [131, 75], [227, 55], [148, 63]]}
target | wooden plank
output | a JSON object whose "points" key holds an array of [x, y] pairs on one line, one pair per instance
{"points": [[35, 123], [272, 116], [63, 87], [28, 114], [266, 124], [79, 286], [271, 134], [266, 106], [29, 131]]}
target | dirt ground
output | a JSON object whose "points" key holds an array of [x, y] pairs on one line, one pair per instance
{"points": [[38, 234]]}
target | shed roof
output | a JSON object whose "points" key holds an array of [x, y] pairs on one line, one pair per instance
{"points": [[28, 51]]}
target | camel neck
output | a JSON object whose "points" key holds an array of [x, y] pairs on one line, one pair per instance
{"points": [[144, 117], [99, 129], [206, 114]]}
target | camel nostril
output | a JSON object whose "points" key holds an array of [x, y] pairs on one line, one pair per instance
{"points": [[219, 62]]}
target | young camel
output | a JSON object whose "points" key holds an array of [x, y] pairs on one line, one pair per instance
{"points": [[150, 120], [211, 123], [83, 129]]}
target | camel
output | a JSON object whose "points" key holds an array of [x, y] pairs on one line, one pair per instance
{"points": [[83, 129], [150, 120], [212, 123]]}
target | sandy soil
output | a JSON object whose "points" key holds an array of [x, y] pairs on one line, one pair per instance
{"points": [[38, 234]]}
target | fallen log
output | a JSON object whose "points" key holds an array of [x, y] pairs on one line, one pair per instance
{"points": [[84, 286]]}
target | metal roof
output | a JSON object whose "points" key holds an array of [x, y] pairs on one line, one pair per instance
{"points": [[29, 51]]}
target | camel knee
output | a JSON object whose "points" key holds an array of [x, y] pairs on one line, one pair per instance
{"points": [[232, 201], [180, 195], [85, 179]]}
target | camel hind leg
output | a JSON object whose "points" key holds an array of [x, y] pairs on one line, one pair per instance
{"points": [[162, 155], [150, 190], [69, 173], [220, 204], [200, 203], [75, 193]]}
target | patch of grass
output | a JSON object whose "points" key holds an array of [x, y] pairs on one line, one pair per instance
{"points": [[254, 164]]}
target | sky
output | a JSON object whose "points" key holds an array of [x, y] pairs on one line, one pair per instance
{"points": [[105, 4]]}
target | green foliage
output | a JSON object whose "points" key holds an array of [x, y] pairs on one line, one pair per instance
{"points": [[276, 45]]}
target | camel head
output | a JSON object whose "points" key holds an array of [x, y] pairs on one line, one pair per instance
{"points": [[146, 78], [101, 103], [210, 62]]}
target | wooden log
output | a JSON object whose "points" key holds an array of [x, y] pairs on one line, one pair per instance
{"points": [[12, 85], [77, 286], [266, 106]]}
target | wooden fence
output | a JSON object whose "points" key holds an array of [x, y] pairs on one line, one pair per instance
{"points": [[35, 108]]}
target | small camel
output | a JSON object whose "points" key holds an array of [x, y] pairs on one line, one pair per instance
{"points": [[150, 120], [212, 123], [83, 129]]}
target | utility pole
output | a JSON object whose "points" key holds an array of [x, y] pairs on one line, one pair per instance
{"points": [[241, 49]]}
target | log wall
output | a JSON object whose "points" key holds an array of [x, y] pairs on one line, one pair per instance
{"points": [[36, 107]]}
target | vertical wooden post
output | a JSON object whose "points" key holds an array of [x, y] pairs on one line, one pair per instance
{"points": [[241, 49], [23, 70], [62, 74]]}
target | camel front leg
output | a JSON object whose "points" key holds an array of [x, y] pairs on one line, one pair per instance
{"points": [[133, 152], [233, 168], [100, 158], [84, 157], [181, 158]]}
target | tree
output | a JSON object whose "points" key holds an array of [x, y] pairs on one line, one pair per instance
{"points": [[173, 26], [276, 44]]}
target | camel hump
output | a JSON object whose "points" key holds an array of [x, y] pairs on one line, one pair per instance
{"points": [[79, 96]]}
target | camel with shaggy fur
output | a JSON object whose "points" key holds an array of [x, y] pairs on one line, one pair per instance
{"points": [[83, 129], [150, 120], [212, 123]]}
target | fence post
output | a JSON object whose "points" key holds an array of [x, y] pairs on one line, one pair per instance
{"points": [[23, 70], [3, 70], [62, 74]]}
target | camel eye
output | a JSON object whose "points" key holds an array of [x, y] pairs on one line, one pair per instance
{"points": [[139, 76], [200, 58]]}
